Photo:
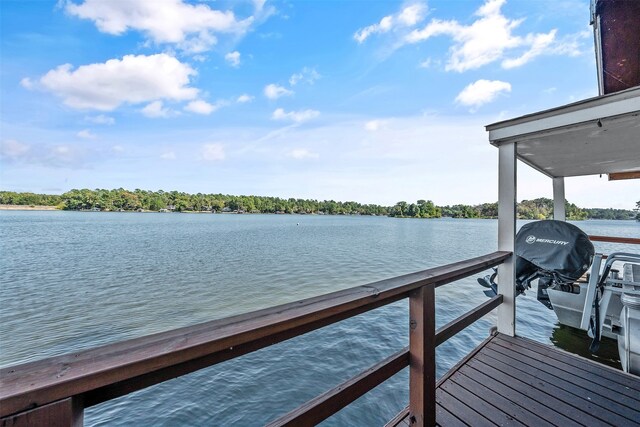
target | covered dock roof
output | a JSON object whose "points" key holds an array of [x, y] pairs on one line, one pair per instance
{"points": [[599, 135]]}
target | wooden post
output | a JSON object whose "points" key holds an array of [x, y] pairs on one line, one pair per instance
{"points": [[559, 212], [422, 357], [63, 413], [506, 236]]}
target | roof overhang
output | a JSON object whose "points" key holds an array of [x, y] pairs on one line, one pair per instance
{"points": [[596, 136]]}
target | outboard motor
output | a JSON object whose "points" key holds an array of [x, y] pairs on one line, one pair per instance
{"points": [[555, 252]]}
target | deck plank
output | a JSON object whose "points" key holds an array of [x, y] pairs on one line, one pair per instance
{"points": [[512, 381], [617, 375], [621, 404], [611, 410], [575, 360], [447, 419], [463, 412], [547, 395], [488, 410], [609, 381], [502, 405], [514, 402]]}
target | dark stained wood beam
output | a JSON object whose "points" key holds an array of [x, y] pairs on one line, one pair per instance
{"points": [[624, 175], [63, 413], [327, 404], [422, 357], [457, 325], [609, 239]]}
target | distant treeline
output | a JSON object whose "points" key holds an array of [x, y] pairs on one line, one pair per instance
{"points": [[142, 200], [121, 199]]}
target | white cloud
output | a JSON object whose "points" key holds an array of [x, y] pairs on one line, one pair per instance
{"points": [[12, 149], [295, 116], [491, 38], [132, 80], [201, 107], [307, 75], [382, 27], [49, 155], [156, 110], [538, 42], [190, 27], [86, 134], [64, 155], [62, 150], [301, 153], [117, 149], [233, 58], [26, 83], [168, 155], [482, 92], [244, 98], [426, 63], [212, 152], [273, 91], [374, 125], [100, 119], [409, 16], [412, 14]]}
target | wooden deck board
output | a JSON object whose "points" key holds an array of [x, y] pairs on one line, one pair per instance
{"points": [[605, 385], [571, 394], [462, 411], [518, 382], [475, 397], [541, 396], [447, 419], [503, 398], [604, 371], [617, 403]]}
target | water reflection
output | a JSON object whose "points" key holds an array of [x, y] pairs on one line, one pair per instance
{"points": [[577, 341]]}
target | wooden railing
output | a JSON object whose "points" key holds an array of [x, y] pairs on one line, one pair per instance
{"points": [[56, 390], [609, 239]]}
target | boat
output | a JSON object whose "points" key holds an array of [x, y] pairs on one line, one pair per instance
{"points": [[598, 136], [583, 288]]}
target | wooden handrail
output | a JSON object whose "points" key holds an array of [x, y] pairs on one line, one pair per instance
{"points": [[330, 402], [110, 371], [609, 239], [327, 404], [457, 325]]}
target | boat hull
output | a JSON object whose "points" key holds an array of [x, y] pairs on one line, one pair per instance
{"points": [[569, 307]]}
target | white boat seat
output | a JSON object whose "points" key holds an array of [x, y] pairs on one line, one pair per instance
{"points": [[631, 272]]}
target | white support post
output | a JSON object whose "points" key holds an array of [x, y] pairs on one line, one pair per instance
{"points": [[506, 237], [559, 212]]}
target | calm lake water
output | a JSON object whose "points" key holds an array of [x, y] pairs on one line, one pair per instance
{"points": [[75, 280]]}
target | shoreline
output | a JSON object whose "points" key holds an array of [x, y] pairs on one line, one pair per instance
{"points": [[4, 207], [27, 208]]}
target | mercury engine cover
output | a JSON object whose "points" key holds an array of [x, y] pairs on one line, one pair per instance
{"points": [[557, 252], [557, 247]]}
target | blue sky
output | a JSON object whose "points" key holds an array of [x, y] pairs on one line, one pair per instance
{"points": [[373, 101]]}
